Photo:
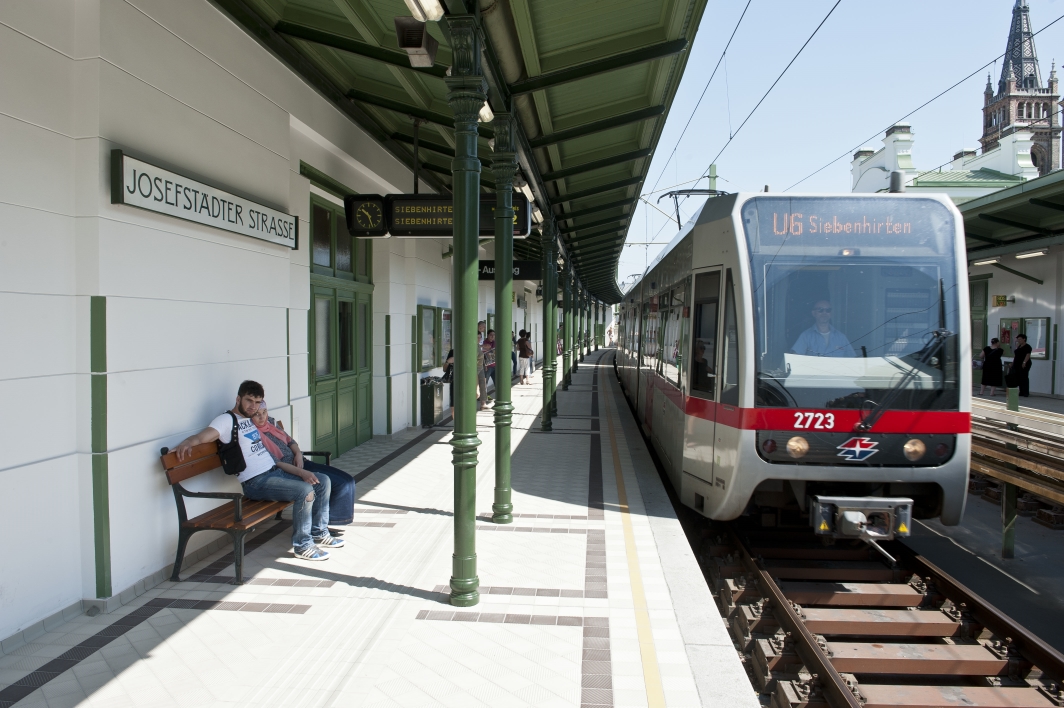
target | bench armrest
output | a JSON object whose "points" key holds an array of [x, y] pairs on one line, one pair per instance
{"points": [[236, 497], [326, 455]]}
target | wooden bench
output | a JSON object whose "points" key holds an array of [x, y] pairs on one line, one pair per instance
{"points": [[238, 517]]}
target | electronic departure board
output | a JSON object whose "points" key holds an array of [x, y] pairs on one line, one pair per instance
{"points": [[424, 215], [431, 216]]}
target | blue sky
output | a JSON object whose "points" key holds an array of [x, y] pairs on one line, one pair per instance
{"points": [[869, 65]]}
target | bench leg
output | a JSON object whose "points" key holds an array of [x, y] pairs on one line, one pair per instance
{"points": [[182, 541], [238, 556]]}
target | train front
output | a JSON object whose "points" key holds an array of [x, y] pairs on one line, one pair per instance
{"points": [[861, 376]]}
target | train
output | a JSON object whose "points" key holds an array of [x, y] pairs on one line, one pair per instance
{"points": [[806, 359]]}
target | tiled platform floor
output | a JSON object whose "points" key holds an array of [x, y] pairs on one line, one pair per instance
{"points": [[591, 597]]}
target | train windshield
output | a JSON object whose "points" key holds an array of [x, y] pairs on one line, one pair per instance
{"points": [[855, 302]]}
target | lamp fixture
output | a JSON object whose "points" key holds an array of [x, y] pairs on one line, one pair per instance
{"points": [[986, 261], [425, 10], [537, 215], [1033, 254], [485, 115]]}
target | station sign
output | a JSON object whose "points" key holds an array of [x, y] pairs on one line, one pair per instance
{"points": [[423, 216], [523, 270], [143, 185]]}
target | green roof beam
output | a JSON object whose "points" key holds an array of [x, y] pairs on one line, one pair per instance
{"points": [[596, 224], [598, 66], [582, 131], [1016, 224], [597, 164], [595, 191], [586, 237], [354, 46], [594, 210], [414, 111], [1047, 204]]}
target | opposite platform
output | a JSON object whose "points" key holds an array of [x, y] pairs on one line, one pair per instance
{"points": [[592, 597]]}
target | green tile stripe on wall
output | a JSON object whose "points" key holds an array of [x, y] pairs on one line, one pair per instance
{"points": [[388, 369], [101, 504], [413, 370]]}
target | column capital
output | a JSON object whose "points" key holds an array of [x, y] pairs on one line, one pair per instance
{"points": [[465, 46], [504, 164]]}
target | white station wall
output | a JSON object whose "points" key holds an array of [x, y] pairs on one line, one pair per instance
{"points": [[1030, 300], [191, 310]]}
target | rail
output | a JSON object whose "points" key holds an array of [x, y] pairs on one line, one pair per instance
{"points": [[811, 619]]}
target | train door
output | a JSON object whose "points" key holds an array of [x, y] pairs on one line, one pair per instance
{"points": [[702, 380], [643, 363]]}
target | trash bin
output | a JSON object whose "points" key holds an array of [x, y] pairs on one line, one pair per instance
{"points": [[431, 402]]}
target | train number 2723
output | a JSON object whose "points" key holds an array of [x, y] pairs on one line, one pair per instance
{"points": [[814, 421]]}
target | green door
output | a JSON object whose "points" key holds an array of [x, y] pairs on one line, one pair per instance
{"points": [[340, 333]]}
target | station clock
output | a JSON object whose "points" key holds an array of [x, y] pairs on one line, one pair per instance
{"points": [[365, 215]]}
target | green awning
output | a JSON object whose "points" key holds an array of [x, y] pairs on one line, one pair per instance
{"points": [[591, 84]]}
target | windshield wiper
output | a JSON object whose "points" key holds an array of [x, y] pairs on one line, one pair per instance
{"points": [[939, 340]]}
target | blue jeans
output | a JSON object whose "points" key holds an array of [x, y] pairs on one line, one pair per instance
{"points": [[342, 498], [513, 358], [310, 519]]}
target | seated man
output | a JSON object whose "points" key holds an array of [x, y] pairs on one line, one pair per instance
{"points": [[264, 479], [822, 339]]}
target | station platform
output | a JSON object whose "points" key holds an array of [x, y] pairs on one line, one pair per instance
{"points": [[591, 597]]}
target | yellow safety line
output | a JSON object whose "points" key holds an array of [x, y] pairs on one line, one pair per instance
{"points": [[648, 654]]}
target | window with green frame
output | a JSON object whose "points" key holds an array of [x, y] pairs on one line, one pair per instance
{"points": [[427, 337], [334, 252], [444, 330]]}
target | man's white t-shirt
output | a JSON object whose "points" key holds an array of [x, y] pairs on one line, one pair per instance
{"points": [[256, 457]]}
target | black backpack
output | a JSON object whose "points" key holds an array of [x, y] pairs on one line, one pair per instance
{"points": [[230, 453]]}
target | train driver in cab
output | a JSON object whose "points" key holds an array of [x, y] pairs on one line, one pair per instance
{"points": [[822, 339]]}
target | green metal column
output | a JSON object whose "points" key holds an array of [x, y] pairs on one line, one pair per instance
{"points": [[466, 93], [567, 328], [503, 169], [585, 319], [575, 306], [549, 336], [1008, 520], [556, 372]]}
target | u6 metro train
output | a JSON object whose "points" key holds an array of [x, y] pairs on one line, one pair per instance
{"points": [[808, 353]]}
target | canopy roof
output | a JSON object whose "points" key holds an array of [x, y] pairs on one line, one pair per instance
{"points": [[590, 83], [1026, 217]]}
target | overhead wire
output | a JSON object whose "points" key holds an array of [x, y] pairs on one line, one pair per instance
{"points": [[918, 108], [699, 102], [778, 78]]}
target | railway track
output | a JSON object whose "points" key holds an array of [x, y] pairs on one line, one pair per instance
{"points": [[842, 626]]}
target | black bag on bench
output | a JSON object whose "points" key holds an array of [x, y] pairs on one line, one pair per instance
{"points": [[230, 453]]}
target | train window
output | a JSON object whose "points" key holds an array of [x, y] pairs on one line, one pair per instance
{"points": [[670, 352], [651, 329], [702, 367], [729, 392]]}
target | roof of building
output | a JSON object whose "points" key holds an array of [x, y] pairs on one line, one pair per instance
{"points": [[967, 178], [590, 85]]}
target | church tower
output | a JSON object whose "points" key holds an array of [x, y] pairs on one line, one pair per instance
{"points": [[1021, 103]]}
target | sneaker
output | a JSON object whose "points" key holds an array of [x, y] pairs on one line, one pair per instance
{"points": [[311, 553], [330, 542]]}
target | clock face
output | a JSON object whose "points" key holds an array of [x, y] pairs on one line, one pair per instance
{"points": [[365, 215], [369, 215]]}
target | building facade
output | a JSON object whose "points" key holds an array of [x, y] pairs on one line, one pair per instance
{"points": [[129, 327]]}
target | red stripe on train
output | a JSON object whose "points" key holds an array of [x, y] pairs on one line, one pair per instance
{"points": [[927, 422]]}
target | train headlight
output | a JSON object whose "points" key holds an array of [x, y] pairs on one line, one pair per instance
{"points": [[797, 446], [769, 446], [942, 449], [914, 450]]}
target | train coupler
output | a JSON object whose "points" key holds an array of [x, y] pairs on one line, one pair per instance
{"points": [[870, 519]]}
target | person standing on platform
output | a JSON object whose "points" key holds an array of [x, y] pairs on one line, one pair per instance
{"points": [[489, 357], [513, 354], [525, 353], [482, 383], [992, 367], [1021, 365]]}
